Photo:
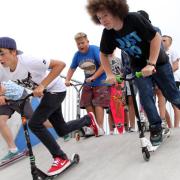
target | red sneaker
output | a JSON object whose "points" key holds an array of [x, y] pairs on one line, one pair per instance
{"points": [[58, 166], [94, 124]]}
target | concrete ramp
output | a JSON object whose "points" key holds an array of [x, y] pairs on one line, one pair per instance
{"points": [[107, 158]]}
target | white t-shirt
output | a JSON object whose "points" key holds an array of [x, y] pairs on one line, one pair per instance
{"points": [[173, 56], [30, 72]]}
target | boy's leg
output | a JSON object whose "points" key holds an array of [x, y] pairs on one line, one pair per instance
{"points": [[5, 113], [48, 105], [50, 108], [176, 116], [165, 81], [6, 132], [101, 100], [110, 121], [146, 93], [146, 97], [131, 114], [99, 113]]}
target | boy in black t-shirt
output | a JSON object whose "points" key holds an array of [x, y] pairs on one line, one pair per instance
{"points": [[136, 36]]}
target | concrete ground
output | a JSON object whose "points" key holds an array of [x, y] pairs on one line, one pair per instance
{"points": [[107, 158]]}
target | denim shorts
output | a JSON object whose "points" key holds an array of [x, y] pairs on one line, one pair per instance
{"points": [[95, 96]]}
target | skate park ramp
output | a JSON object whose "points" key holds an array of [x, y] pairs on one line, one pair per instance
{"points": [[111, 157]]}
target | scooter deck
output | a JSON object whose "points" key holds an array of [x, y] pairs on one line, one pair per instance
{"points": [[16, 158], [165, 137], [74, 161], [78, 136]]}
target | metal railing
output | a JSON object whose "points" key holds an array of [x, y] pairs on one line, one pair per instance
{"points": [[69, 106]]}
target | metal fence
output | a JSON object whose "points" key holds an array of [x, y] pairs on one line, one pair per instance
{"points": [[69, 106]]}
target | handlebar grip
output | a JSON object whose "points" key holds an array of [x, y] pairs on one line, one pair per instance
{"points": [[138, 74], [119, 79]]}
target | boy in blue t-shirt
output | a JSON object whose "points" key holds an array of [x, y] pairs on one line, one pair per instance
{"points": [[95, 94]]}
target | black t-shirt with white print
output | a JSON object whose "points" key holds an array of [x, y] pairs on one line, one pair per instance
{"points": [[134, 38]]}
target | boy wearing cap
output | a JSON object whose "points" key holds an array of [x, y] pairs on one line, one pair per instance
{"points": [[33, 73]]}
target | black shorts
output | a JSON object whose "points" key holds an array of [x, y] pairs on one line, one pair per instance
{"points": [[11, 108]]}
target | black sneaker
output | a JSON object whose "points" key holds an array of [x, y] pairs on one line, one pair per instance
{"points": [[155, 135]]}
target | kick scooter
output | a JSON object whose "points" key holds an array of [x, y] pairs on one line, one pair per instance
{"points": [[37, 174], [146, 145]]}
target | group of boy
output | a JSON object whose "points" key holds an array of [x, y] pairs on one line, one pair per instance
{"points": [[125, 30]]}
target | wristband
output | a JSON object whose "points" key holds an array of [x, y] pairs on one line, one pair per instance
{"points": [[42, 85], [151, 64]]}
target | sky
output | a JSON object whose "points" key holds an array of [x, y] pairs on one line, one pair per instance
{"points": [[46, 28]]}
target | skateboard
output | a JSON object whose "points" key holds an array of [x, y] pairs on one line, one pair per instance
{"points": [[18, 157], [117, 102], [74, 161]]}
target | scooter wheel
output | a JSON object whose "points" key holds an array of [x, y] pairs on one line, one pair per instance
{"points": [[146, 154], [143, 127], [76, 158], [77, 136]]}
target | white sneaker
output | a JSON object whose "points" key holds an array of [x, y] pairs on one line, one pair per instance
{"points": [[89, 131], [111, 133], [131, 130], [142, 117], [165, 127], [101, 132]]}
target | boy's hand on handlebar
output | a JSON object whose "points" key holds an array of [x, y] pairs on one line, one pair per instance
{"points": [[111, 79], [90, 79], [148, 70], [67, 83], [39, 91]]}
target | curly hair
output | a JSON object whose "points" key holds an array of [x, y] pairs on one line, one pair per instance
{"points": [[118, 8]]}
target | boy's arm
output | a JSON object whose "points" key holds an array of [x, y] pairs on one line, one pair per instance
{"points": [[96, 74], [107, 68], [155, 45], [175, 65], [2, 97], [56, 68], [69, 76]]}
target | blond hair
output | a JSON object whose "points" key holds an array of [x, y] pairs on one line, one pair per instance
{"points": [[80, 35]]}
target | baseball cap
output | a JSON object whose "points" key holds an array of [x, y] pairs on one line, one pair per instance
{"points": [[9, 43]]}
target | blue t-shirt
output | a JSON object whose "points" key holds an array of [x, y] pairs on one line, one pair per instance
{"points": [[90, 63]]}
